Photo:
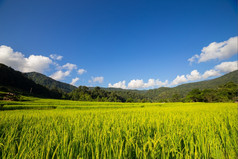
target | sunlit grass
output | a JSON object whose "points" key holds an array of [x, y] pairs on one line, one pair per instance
{"points": [[132, 130]]}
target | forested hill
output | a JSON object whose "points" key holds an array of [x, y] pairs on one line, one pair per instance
{"points": [[49, 82], [182, 90], [230, 77], [15, 81], [41, 85], [160, 93]]}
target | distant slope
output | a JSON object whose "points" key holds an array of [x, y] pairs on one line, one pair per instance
{"points": [[49, 82], [162, 92], [185, 88], [18, 82], [39, 83], [230, 77]]}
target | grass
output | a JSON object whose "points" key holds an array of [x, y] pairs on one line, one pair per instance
{"points": [[118, 130]]}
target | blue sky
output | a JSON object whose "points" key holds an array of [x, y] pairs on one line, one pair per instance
{"points": [[127, 44]]}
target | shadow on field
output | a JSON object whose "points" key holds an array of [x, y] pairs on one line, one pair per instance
{"points": [[2, 108], [120, 107], [24, 107]]}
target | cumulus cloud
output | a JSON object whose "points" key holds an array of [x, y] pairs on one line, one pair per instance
{"points": [[222, 50], [69, 66], [161, 84], [81, 71], [193, 58], [226, 67], [179, 79], [151, 83], [193, 76], [96, 79], [64, 71], [17, 60], [134, 84], [74, 80], [56, 57], [210, 73], [139, 84], [120, 84], [59, 75], [36, 63]]}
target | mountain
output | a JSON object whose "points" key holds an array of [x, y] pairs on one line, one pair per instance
{"points": [[49, 82], [37, 84], [183, 89], [230, 77], [65, 87], [15, 81], [154, 94]]}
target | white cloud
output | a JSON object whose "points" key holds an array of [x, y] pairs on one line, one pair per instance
{"points": [[162, 84], [150, 83], [56, 57], [178, 80], [154, 83], [210, 73], [120, 84], [96, 79], [59, 75], [36, 63], [64, 71], [222, 50], [69, 66], [193, 76], [193, 58], [81, 71], [226, 67], [17, 60], [74, 80], [139, 84], [135, 84]]}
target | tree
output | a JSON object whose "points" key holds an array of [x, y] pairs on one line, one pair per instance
{"points": [[195, 95]]}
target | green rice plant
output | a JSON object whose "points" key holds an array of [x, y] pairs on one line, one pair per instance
{"points": [[170, 130]]}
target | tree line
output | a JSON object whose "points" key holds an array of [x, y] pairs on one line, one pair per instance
{"points": [[223, 93]]}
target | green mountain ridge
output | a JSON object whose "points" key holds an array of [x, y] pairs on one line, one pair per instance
{"points": [[183, 89], [44, 85], [52, 84], [157, 94], [49, 83], [15, 81]]}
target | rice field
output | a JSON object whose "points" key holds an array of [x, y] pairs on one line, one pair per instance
{"points": [[45, 128]]}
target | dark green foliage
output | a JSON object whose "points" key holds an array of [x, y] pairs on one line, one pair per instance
{"points": [[83, 93], [15, 81], [176, 97], [165, 94], [224, 93], [129, 100], [209, 95], [195, 95], [222, 89]]}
